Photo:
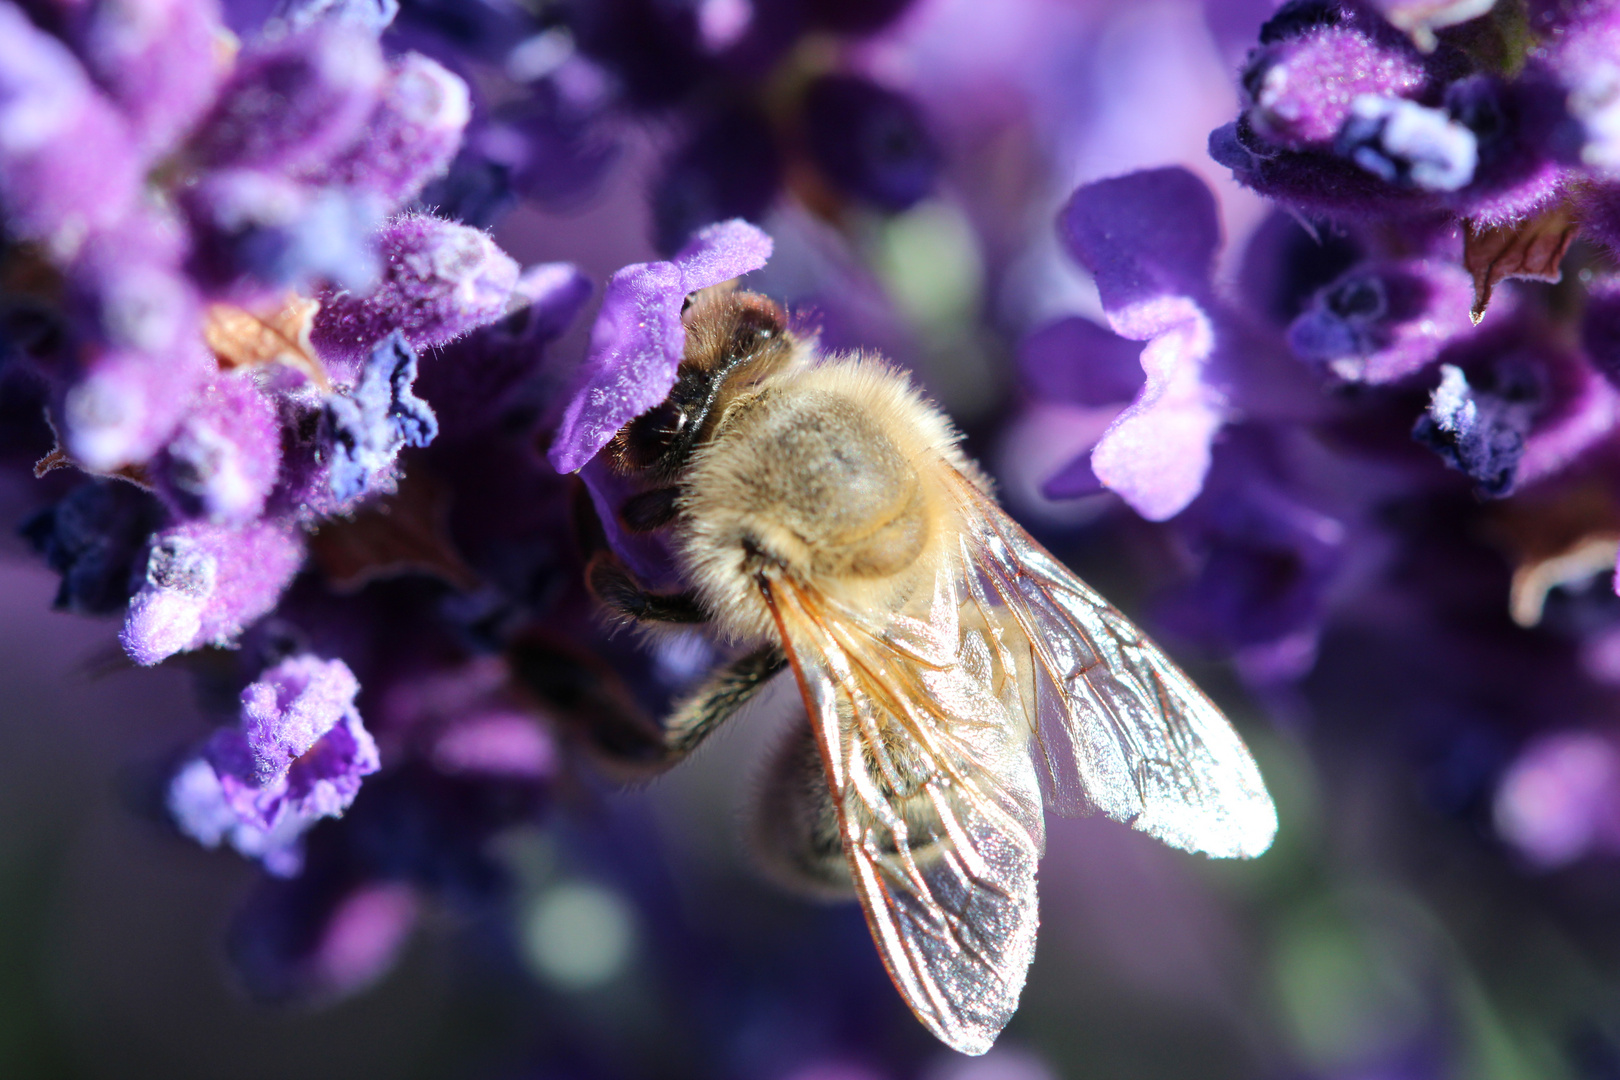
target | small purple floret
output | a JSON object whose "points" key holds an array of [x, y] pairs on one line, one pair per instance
{"points": [[224, 457], [413, 134], [294, 102], [440, 280], [298, 755], [1382, 321], [638, 340], [1150, 239], [206, 583]]}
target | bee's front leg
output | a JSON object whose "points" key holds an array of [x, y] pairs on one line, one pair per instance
{"points": [[721, 697], [617, 588]]}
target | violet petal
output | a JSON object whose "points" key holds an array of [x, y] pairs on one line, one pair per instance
{"points": [[638, 340]]}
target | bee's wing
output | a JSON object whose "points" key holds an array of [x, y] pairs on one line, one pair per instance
{"points": [[937, 799], [1117, 726]]}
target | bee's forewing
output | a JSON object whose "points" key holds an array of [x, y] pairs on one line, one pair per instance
{"points": [[1117, 726], [938, 801]]}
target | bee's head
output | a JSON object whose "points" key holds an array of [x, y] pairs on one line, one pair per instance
{"points": [[733, 339]]}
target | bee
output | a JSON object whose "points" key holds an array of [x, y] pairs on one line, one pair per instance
{"points": [[956, 678]]}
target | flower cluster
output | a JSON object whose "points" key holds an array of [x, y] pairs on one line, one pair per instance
{"points": [[1339, 389], [1302, 430], [754, 98]]}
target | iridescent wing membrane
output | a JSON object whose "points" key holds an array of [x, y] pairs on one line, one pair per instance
{"points": [[937, 798], [1117, 726], [927, 721]]}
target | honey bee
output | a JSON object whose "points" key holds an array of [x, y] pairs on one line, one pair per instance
{"points": [[956, 677]]}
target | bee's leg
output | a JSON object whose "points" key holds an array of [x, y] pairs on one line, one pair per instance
{"points": [[649, 510], [721, 697], [616, 587], [613, 583], [794, 821]]}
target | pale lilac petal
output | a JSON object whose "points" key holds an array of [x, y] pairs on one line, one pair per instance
{"points": [[1156, 453], [638, 340]]}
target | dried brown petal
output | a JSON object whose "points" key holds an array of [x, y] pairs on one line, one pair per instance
{"points": [[60, 459], [1531, 249], [1560, 537], [241, 338]]}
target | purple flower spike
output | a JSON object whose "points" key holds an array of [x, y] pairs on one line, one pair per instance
{"points": [[1150, 240], [365, 430], [299, 755], [440, 280], [223, 460], [67, 160], [638, 339], [294, 103], [1380, 322], [206, 583], [412, 137]]}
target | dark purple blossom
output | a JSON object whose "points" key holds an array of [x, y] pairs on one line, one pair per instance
{"points": [[95, 537]]}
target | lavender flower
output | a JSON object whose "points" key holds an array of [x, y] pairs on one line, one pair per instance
{"points": [[298, 755]]}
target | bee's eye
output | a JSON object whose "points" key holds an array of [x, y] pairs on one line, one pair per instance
{"points": [[755, 327]]}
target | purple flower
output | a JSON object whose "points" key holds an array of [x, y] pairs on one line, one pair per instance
{"points": [[439, 281], [372, 16], [67, 159], [1479, 433], [206, 583], [412, 135], [294, 103], [638, 339], [1150, 239], [224, 458], [870, 141], [1381, 322], [298, 755], [1560, 800]]}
